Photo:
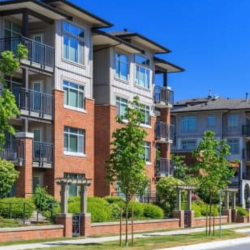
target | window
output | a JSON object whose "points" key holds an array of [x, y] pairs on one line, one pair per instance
{"points": [[188, 123], [74, 190], [121, 104], [210, 121], [73, 94], [73, 140], [146, 155], [73, 43], [142, 73], [121, 66], [233, 121], [188, 144], [144, 109], [234, 145], [12, 29]]}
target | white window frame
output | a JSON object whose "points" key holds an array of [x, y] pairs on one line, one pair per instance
{"points": [[234, 143], [138, 68], [209, 119], [186, 122], [121, 101], [233, 121], [118, 76], [143, 110], [80, 44], [147, 146]]}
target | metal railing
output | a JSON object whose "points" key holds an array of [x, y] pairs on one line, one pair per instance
{"points": [[164, 95], [43, 152], [163, 167], [246, 130], [34, 101], [246, 154], [37, 52], [246, 176], [164, 131], [13, 150]]}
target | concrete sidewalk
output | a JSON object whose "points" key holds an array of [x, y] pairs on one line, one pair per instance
{"points": [[202, 246]]}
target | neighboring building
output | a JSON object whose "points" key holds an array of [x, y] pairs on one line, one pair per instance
{"points": [[76, 80], [228, 118]]}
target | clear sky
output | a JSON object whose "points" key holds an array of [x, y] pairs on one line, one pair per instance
{"points": [[209, 38]]}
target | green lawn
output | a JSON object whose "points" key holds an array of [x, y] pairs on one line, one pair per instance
{"points": [[154, 242]]}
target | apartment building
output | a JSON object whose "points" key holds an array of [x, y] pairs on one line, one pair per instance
{"points": [[229, 119], [74, 83], [125, 65]]}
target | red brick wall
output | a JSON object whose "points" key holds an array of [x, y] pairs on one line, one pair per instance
{"points": [[139, 226], [72, 164], [201, 222], [30, 233], [105, 124]]}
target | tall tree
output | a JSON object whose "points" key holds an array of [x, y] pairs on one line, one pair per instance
{"points": [[213, 166], [126, 164]]}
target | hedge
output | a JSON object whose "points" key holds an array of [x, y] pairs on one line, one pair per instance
{"points": [[242, 212]]}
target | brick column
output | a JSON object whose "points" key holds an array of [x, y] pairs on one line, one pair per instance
{"points": [[24, 182], [67, 221], [228, 213], [234, 215], [179, 215], [191, 218], [85, 224]]}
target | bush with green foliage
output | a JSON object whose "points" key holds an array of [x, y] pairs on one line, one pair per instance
{"points": [[197, 209], [138, 209], [153, 211], [16, 208], [242, 212], [113, 199]]}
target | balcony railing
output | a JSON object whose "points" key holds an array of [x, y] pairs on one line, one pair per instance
{"points": [[33, 101], [43, 153], [246, 176], [163, 167], [163, 96], [37, 52], [164, 132], [246, 154], [246, 130], [13, 151]]}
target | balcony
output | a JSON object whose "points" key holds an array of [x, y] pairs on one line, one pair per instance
{"points": [[164, 132], [40, 55], [163, 97], [246, 130], [144, 197], [246, 154], [246, 176], [13, 151], [163, 167], [33, 103], [43, 154]]}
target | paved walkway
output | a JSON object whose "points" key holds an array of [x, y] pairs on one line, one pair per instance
{"points": [[202, 246]]}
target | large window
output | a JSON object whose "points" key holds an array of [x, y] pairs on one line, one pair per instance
{"points": [[147, 150], [144, 109], [188, 123], [142, 74], [121, 66], [188, 144], [121, 104], [73, 140], [12, 29], [210, 120], [73, 94], [234, 145], [233, 121], [74, 189], [73, 43]]}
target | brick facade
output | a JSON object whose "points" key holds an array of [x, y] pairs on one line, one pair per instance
{"points": [[105, 124]]}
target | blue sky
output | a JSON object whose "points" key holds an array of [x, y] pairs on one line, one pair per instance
{"points": [[209, 38]]}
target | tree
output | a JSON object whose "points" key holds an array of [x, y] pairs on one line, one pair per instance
{"points": [[126, 164], [9, 64], [213, 166], [180, 167]]}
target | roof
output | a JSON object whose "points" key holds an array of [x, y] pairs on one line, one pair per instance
{"points": [[157, 48], [67, 6], [166, 66], [210, 104]]}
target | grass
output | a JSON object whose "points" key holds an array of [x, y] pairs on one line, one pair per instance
{"points": [[152, 242]]}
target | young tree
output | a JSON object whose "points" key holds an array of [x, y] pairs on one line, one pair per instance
{"points": [[180, 167], [213, 166], [126, 164], [9, 64]]}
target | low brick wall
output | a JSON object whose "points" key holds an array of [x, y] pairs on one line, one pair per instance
{"points": [[201, 221], [139, 226], [242, 219], [31, 233]]}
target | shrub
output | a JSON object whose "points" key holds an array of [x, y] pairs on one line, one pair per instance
{"points": [[242, 212], [153, 211], [113, 199], [16, 209], [138, 209], [197, 210], [115, 211]]}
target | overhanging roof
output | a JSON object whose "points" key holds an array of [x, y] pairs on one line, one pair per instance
{"points": [[75, 10], [101, 38], [35, 6], [166, 66]]}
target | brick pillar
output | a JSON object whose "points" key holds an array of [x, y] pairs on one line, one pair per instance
{"points": [[66, 220], [191, 218], [228, 213], [179, 215], [85, 224], [24, 182], [234, 215]]}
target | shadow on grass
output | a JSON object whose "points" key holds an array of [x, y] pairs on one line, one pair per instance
{"points": [[71, 244]]}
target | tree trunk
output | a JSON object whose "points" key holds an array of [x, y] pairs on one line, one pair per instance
{"points": [[210, 211], [206, 219], [214, 219], [126, 230]]}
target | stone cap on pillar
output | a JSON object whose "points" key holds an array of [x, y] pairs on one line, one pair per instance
{"points": [[232, 190], [185, 187], [23, 135], [80, 181]]}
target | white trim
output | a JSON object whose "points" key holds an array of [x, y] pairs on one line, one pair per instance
{"points": [[74, 154], [41, 133], [75, 109]]}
